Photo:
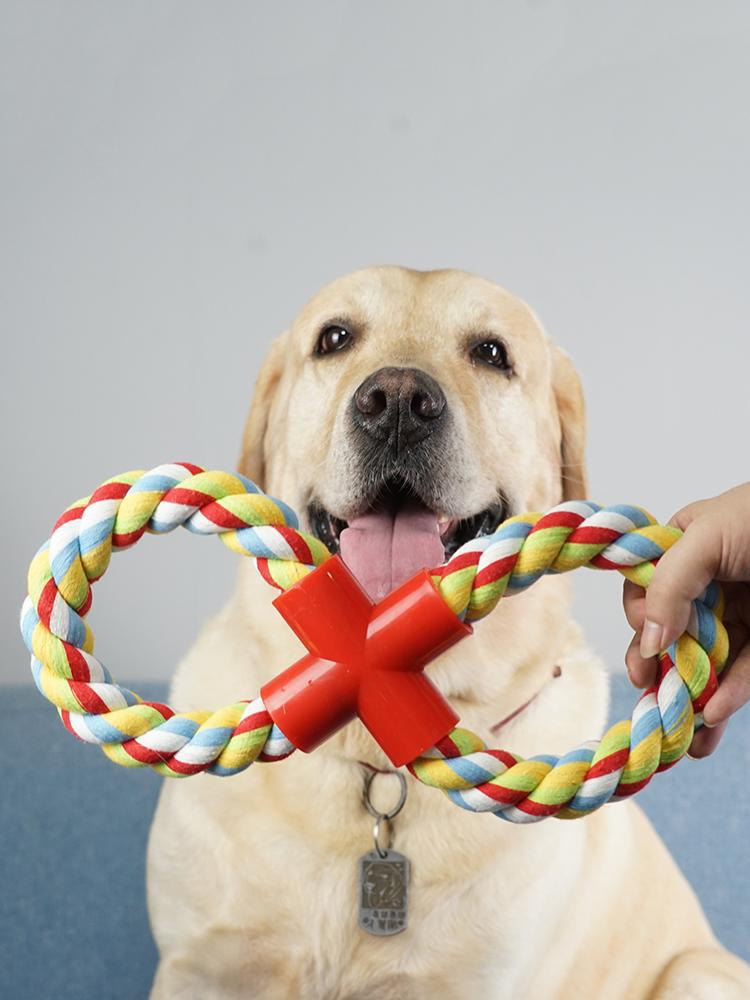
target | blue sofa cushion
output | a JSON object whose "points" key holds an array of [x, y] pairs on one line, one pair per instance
{"points": [[73, 920]]}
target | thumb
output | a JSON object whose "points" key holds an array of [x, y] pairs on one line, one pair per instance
{"points": [[682, 573]]}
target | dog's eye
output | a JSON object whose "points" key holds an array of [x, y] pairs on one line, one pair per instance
{"points": [[333, 338], [491, 352]]}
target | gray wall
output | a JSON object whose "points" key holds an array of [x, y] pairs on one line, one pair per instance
{"points": [[177, 177]]}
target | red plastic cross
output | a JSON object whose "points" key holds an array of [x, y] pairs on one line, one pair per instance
{"points": [[364, 660]]}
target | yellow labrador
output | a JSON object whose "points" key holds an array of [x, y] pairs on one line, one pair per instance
{"points": [[402, 414]]}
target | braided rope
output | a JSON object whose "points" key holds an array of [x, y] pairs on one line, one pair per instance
{"points": [[573, 534], [138, 733], [130, 731]]}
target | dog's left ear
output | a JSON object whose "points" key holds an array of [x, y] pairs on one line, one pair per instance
{"points": [[252, 461], [572, 413]]}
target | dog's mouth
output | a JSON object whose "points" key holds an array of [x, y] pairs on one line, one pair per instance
{"points": [[398, 534]]}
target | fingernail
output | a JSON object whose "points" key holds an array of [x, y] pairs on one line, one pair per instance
{"points": [[650, 639]]}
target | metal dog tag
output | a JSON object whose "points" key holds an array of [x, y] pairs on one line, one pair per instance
{"points": [[383, 892]]}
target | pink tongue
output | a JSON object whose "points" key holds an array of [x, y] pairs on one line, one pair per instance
{"points": [[383, 548]]}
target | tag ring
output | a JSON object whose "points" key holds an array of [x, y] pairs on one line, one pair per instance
{"points": [[396, 809], [380, 822]]}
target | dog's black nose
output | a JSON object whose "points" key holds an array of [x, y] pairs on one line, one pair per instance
{"points": [[400, 405]]}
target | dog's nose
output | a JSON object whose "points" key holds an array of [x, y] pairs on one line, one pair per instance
{"points": [[402, 405]]}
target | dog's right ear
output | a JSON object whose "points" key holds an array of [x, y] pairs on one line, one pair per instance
{"points": [[571, 410], [252, 461]]}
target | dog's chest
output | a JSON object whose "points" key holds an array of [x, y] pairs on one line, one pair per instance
{"points": [[468, 918]]}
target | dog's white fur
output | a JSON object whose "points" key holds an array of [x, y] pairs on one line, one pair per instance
{"points": [[252, 880]]}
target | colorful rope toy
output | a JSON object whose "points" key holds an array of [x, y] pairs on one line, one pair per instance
{"points": [[366, 659]]}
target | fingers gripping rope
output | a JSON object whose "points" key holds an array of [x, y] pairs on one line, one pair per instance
{"points": [[137, 733]]}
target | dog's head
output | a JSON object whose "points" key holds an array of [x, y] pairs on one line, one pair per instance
{"points": [[405, 412]]}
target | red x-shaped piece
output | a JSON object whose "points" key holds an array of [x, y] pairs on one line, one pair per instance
{"points": [[364, 660]]}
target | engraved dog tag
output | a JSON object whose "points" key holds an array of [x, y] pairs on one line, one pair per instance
{"points": [[383, 892]]}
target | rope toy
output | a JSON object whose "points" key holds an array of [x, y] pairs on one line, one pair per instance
{"points": [[135, 733]]}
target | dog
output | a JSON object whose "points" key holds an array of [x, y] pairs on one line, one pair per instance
{"points": [[402, 414]]}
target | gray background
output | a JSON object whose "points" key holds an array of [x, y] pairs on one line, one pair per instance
{"points": [[176, 178]]}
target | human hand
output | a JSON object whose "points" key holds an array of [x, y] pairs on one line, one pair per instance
{"points": [[715, 546]]}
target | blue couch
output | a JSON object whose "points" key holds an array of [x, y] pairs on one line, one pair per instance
{"points": [[73, 826]]}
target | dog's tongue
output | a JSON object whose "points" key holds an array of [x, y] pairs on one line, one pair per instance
{"points": [[385, 547]]}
